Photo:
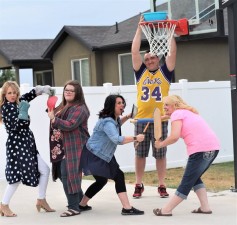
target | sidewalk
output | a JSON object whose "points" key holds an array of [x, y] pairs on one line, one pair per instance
{"points": [[106, 208]]}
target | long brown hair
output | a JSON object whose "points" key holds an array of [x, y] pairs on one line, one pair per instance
{"points": [[79, 96]]}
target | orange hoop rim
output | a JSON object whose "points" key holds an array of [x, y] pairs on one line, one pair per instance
{"points": [[181, 25], [155, 22]]}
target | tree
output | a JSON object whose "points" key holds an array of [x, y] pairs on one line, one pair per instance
{"points": [[6, 75]]}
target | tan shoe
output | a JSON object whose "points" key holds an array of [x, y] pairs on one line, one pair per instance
{"points": [[6, 211], [42, 204]]}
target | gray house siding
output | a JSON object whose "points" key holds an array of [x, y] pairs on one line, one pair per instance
{"points": [[3, 62], [202, 60], [68, 50]]}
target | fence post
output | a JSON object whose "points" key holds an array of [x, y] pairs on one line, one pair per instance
{"points": [[184, 88], [108, 88]]}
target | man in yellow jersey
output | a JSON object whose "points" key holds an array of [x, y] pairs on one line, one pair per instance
{"points": [[153, 83]]}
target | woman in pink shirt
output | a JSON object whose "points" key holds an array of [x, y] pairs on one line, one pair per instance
{"points": [[202, 148]]}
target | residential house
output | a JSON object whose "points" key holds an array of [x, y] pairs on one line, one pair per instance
{"points": [[25, 54], [98, 54]]}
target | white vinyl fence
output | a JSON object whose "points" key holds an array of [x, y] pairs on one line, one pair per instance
{"points": [[212, 99]]}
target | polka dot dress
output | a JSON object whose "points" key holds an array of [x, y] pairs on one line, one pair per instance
{"points": [[21, 152]]}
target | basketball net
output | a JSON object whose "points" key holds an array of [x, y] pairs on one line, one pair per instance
{"points": [[159, 36]]}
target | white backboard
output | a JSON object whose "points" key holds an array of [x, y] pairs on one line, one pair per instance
{"points": [[201, 14]]}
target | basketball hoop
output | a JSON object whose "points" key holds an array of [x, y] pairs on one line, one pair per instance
{"points": [[159, 34]]}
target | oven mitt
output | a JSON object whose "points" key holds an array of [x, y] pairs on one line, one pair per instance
{"points": [[23, 110], [39, 90]]}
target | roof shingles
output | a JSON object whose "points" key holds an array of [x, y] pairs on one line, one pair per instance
{"points": [[24, 49]]}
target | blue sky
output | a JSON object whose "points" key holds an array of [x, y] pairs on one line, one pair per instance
{"points": [[27, 19], [43, 19]]}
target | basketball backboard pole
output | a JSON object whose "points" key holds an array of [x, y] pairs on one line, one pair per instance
{"points": [[153, 5], [232, 37]]}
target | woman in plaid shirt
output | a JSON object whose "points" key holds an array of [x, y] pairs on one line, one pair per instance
{"points": [[70, 119]]}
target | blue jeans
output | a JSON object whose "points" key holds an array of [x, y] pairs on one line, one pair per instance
{"points": [[196, 166], [72, 199]]}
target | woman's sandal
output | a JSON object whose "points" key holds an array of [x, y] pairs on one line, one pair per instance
{"points": [[200, 211], [158, 212], [69, 212], [85, 208], [43, 204], [6, 211]]}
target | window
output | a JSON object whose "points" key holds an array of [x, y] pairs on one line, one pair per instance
{"points": [[80, 71], [126, 73], [43, 78]]}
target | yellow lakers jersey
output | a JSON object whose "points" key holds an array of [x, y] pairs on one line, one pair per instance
{"points": [[151, 88]]}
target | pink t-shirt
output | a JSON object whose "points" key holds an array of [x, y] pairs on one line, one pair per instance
{"points": [[197, 135]]}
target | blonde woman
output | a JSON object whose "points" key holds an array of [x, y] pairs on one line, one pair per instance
{"points": [[202, 148], [23, 164]]}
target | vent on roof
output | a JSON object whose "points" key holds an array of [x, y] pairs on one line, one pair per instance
{"points": [[116, 27]]}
